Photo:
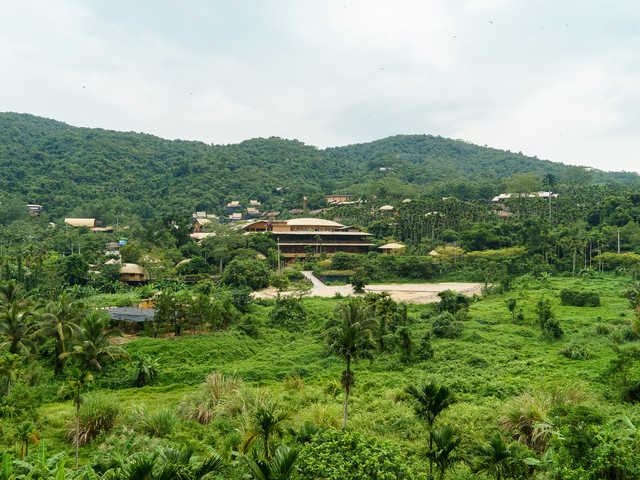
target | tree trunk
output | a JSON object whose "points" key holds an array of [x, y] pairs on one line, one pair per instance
{"points": [[430, 450], [77, 429], [346, 394]]}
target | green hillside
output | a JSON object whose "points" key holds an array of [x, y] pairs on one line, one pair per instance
{"points": [[109, 175]]}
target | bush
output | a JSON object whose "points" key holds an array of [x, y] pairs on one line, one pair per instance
{"points": [[578, 298], [98, 414], [246, 273], [214, 392], [446, 326], [288, 313], [350, 456], [547, 318], [576, 352], [452, 302], [159, 423]]}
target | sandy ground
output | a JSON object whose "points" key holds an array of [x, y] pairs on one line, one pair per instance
{"points": [[409, 293]]}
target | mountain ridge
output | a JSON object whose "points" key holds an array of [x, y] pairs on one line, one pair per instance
{"points": [[104, 173]]}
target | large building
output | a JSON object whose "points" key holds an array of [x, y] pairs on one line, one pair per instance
{"points": [[300, 237]]}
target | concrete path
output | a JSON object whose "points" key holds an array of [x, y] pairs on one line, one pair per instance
{"points": [[308, 274]]}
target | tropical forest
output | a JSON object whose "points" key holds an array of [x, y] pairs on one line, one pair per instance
{"points": [[456, 311]]}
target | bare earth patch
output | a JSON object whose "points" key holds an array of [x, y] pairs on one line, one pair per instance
{"points": [[409, 292]]}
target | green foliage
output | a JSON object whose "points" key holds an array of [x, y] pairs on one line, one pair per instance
{"points": [[577, 298], [146, 370], [265, 422], [576, 352], [526, 416], [98, 414], [195, 266], [288, 313], [76, 269], [499, 460], [546, 317], [350, 456], [446, 326], [452, 302], [216, 394], [358, 280], [246, 273], [155, 423]]}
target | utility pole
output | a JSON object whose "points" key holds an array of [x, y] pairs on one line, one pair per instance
{"points": [[618, 241]]}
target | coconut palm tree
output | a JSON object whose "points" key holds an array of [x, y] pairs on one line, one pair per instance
{"points": [[9, 363], [14, 327], [10, 292], [95, 347], [497, 459], [429, 399], [60, 320], [78, 381], [266, 422], [352, 341]]}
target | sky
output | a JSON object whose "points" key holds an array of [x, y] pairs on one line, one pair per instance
{"points": [[556, 79]]}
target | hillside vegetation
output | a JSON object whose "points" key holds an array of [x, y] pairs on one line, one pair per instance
{"points": [[105, 174]]}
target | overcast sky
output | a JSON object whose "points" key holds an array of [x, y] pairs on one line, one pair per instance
{"points": [[559, 79]]}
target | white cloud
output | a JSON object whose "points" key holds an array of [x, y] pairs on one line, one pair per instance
{"points": [[545, 78]]}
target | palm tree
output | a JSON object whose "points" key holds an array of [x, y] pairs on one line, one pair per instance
{"points": [[182, 465], [10, 292], [266, 421], [550, 181], [352, 340], [95, 347], [60, 321], [14, 325], [146, 370], [280, 467], [497, 459], [446, 440], [429, 399], [78, 380], [9, 363], [27, 434]]}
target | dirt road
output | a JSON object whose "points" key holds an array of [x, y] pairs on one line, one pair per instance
{"points": [[408, 292]]}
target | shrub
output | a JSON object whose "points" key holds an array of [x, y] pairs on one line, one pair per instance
{"points": [[159, 423], [214, 392], [288, 313], [578, 298], [526, 415], [250, 325], [98, 414], [446, 326], [576, 352], [425, 351], [548, 323], [451, 301], [352, 456]]}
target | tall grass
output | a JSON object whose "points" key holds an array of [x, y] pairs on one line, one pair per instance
{"points": [[98, 414], [217, 393], [526, 416], [155, 423]]}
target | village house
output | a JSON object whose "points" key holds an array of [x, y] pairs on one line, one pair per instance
{"points": [[133, 273], [300, 237]]}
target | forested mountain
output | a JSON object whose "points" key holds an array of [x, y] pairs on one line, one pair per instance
{"points": [[105, 174]]}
